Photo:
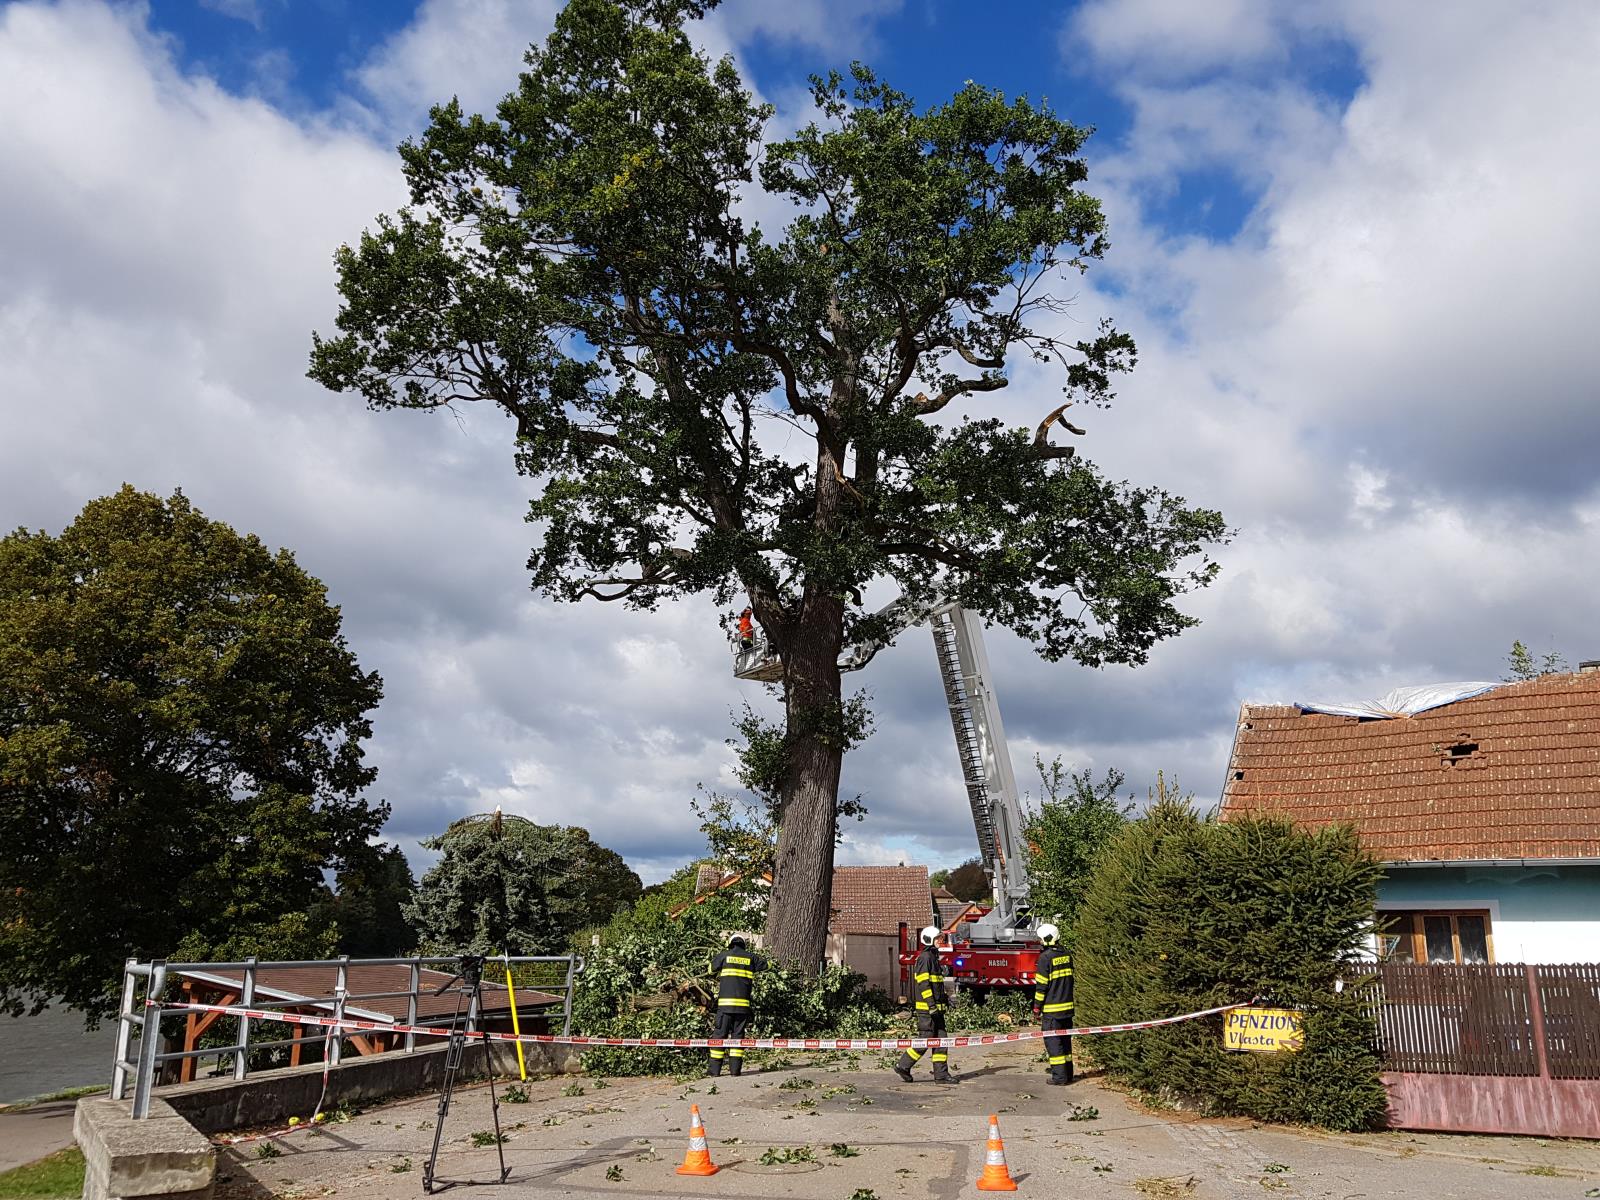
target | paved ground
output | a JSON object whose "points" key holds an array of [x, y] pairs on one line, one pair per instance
{"points": [[625, 1139], [30, 1133]]}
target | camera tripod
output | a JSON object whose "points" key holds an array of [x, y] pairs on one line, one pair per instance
{"points": [[468, 985]]}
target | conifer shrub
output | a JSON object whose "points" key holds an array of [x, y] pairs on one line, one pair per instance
{"points": [[1184, 913]]}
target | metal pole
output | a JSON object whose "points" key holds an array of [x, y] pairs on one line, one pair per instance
{"points": [[241, 1056], [119, 1072], [411, 1003], [144, 1080], [339, 990], [566, 1004]]}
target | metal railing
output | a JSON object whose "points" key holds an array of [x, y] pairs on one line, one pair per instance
{"points": [[146, 1004]]}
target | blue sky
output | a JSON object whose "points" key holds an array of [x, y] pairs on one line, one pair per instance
{"points": [[306, 54], [1355, 242]]}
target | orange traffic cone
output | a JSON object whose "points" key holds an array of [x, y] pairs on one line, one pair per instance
{"points": [[995, 1177], [697, 1159]]}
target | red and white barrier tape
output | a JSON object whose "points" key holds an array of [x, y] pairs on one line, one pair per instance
{"points": [[778, 1043]]}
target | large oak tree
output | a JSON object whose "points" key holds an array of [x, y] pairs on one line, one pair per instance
{"points": [[790, 410]]}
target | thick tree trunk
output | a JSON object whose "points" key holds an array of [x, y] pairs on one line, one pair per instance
{"points": [[802, 886]]}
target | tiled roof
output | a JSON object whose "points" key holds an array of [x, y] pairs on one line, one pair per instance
{"points": [[953, 912], [314, 986], [1513, 773], [877, 899]]}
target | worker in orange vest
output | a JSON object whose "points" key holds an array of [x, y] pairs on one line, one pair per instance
{"points": [[747, 629]]}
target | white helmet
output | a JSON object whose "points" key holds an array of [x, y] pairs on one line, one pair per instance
{"points": [[1048, 934], [929, 934]]}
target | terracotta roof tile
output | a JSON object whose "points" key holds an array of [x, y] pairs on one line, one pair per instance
{"points": [[1528, 786], [877, 899]]}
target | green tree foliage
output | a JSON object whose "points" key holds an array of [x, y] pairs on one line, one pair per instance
{"points": [[578, 261], [181, 729], [507, 885], [368, 906], [969, 881], [1185, 913], [1522, 665], [1075, 821], [650, 977]]}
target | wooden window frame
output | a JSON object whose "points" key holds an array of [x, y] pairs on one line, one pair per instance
{"points": [[1415, 929]]}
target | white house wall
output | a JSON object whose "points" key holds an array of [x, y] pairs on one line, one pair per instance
{"points": [[1536, 914]]}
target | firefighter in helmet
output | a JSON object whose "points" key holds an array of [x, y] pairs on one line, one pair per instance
{"points": [[735, 972], [1052, 1001], [927, 990]]}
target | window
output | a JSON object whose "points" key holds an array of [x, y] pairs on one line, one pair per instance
{"points": [[1436, 937]]}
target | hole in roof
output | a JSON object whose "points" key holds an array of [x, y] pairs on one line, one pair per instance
{"points": [[1238, 774], [1462, 750]]}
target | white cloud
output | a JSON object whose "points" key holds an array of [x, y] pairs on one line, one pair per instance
{"points": [[1384, 379], [1178, 37], [469, 49], [248, 11]]}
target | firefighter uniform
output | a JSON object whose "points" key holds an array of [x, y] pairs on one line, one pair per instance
{"points": [[735, 972], [1052, 1000], [927, 990]]}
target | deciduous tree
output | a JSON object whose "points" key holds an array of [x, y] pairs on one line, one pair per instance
{"points": [[181, 729], [969, 881], [1074, 822], [791, 412], [1524, 666]]}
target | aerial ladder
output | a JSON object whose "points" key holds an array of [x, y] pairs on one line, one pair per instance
{"points": [[998, 948]]}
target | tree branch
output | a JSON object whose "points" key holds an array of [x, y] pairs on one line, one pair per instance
{"points": [[923, 404], [1042, 433]]}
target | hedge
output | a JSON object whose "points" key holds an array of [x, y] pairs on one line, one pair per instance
{"points": [[1184, 913]]}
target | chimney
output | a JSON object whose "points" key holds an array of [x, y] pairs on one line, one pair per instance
{"points": [[1592, 664]]}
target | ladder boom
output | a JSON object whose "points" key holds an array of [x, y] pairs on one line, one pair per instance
{"points": [[980, 741]]}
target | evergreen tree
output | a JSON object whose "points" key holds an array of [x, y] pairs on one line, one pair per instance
{"points": [[507, 885], [369, 902]]}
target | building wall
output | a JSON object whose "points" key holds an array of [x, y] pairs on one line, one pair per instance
{"points": [[1537, 914], [877, 956]]}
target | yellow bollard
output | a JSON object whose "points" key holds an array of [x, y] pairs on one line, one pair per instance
{"points": [[516, 1025]]}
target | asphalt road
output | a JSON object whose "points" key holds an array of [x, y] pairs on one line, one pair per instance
{"points": [[858, 1133]]}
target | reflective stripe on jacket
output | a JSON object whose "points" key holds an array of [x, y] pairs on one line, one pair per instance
{"points": [[927, 981], [1052, 981], [735, 973]]}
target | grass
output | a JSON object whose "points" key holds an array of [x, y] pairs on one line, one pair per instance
{"points": [[54, 1177], [72, 1093]]}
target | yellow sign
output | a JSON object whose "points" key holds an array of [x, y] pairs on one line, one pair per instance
{"points": [[1262, 1030]]}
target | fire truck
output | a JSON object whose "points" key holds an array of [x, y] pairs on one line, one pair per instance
{"points": [[997, 949]]}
